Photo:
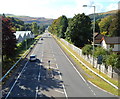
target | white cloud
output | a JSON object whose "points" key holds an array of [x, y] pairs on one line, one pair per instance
{"points": [[54, 8]]}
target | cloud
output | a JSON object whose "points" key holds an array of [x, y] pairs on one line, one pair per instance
{"points": [[54, 8]]}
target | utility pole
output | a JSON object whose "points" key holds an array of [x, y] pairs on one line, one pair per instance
{"points": [[93, 32]]}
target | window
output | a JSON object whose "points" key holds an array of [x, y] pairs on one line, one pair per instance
{"points": [[111, 46]]}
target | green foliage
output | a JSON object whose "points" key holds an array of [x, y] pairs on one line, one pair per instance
{"points": [[18, 24], [105, 24], [42, 28], [87, 49], [114, 29], [35, 28], [97, 28], [79, 30], [110, 25], [99, 51], [113, 60], [59, 26]]}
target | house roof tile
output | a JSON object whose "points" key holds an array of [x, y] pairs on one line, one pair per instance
{"points": [[112, 40]]}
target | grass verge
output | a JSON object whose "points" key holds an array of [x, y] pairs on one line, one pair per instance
{"points": [[92, 77]]}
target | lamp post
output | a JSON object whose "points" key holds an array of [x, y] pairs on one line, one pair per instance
{"points": [[93, 31], [26, 37]]}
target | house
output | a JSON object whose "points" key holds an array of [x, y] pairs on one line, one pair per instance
{"points": [[98, 39], [111, 42], [22, 35]]}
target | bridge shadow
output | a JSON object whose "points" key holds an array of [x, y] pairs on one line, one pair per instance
{"points": [[32, 79]]}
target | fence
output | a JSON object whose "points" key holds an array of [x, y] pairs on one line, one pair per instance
{"points": [[108, 70]]}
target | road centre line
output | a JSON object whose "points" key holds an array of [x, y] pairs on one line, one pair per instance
{"points": [[60, 77], [76, 69], [39, 75], [36, 92], [62, 83], [16, 80]]}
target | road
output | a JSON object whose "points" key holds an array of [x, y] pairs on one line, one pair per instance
{"points": [[33, 80]]}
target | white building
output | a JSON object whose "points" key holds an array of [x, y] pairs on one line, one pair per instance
{"points": [[22, 35], [111, 42]]}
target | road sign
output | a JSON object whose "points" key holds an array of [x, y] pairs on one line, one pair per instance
{"points": [[99, 59]]}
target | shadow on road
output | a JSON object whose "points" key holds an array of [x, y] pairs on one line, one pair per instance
{"points": [[33, 80]]}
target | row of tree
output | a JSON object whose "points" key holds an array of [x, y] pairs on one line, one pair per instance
{"points": [[21, 26], [9, 27], [108, 57], [76, 30]]}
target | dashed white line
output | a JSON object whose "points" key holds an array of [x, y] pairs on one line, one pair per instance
{"points": [[62, 84], [36, 92]]}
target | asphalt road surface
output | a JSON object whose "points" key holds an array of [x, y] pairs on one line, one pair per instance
{"points": [[51, 75]]}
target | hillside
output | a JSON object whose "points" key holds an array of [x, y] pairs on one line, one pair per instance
{"points": [[28, 19], [102, 15]]}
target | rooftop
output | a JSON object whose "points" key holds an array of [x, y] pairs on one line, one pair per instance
{"points": [[112, 40]]}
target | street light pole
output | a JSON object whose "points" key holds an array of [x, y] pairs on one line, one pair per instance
{"points": [[93, 31], [93, 36], [26, 37]]}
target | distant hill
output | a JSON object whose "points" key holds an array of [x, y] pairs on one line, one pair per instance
{"points": [[28, 19], [102, 15]]}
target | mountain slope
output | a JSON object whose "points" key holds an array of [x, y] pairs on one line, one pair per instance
{"points": [[28, 19], [102, 15]]}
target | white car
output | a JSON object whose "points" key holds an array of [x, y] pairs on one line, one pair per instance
{"points": [[33, 58]]}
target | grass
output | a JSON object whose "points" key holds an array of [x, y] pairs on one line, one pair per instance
{"points": [[92, 77]]}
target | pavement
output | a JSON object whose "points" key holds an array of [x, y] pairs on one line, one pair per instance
{"points": [[51, 75]]}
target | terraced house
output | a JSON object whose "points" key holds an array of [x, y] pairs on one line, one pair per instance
{"points": [[22, 35]]}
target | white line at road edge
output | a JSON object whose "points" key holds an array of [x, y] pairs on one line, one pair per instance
{"points": [[16, 80], [77, 71], [100, 88]]}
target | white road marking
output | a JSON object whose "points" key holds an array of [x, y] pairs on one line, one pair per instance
{"points": [[100, 88], [39, 75], [61, 78], [36, 92], [59, 91], [62, 84], [16, 80], [75, 68]]}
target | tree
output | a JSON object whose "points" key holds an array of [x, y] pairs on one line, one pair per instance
{"points": [[114, 29], [59, 26], [8, 38], [63, 26], [97, 28], [105, 24], [87, 49], [99, 51], [35, 28], [113, 60], [79, 30]]}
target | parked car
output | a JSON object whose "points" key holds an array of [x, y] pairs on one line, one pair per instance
{"points": [[33, 58]]}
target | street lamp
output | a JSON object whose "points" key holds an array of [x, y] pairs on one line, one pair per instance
{"points": [[93, 31]]}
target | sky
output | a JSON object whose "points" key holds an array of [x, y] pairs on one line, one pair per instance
{"points": [[55, 8]]}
